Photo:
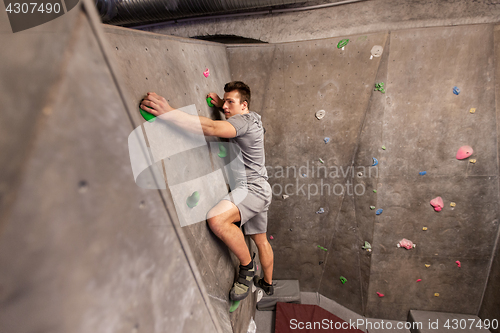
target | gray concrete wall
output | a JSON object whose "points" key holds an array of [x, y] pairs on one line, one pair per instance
{"points": [[82, 247], [356, 18], [490, 307], [422, 124]]}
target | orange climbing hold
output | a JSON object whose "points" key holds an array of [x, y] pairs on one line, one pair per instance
{"points": [[464, 152], [437, 203]]}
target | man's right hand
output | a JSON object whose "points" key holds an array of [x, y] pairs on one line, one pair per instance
{"points": [[216, 100]]}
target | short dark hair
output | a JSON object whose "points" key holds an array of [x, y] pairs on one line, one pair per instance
{"points": [[242, 89]]}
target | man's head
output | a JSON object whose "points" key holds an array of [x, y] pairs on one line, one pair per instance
{"points": [[236, 98]]}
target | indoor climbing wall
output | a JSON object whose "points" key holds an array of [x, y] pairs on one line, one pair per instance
{"points": [[398, 107], [184, 71]]}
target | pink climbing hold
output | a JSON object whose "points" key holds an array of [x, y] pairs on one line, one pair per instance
{"points": [[380, 294], [458, 263], [407, 244], [206, 72], [437, 203], [271, 237], [464, 152], [419, 280]]}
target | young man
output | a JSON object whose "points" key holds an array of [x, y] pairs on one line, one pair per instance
{"points": [[244, 129]]}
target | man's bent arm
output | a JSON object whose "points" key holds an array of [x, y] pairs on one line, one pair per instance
{"points": [[191, 123]]}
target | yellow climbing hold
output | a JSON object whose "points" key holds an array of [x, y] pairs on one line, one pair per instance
{"points": [[452, 204], [472, 160], [427, 265], [436, 294], [472, 110], [424, 228]]}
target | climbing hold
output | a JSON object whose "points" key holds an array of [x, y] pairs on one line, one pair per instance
{"points": [[407, 244], [375, 161], [234, 305], [320, 114], [377, 51], [436, 294], [193, 199], [327, 139], [321, 160], [321, 247], [379, 211], [343, 279], [424, 228], [419, 280], [147, 116], [372, 207], [206, 72], [380, 294], [374, 191], [320, 211], [472, 110], [458, 264], [271, 237], [427, 265], [342, 43], [209, 101], [380, 87], [456, 90], [472, 160], [422, 173], [222, 150], [437, 203], [452, 204], [464, 152], [367, 246], [383, 147], [285, 196]]}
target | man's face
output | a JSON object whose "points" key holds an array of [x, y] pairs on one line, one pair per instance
{"points": [[232, 105]]}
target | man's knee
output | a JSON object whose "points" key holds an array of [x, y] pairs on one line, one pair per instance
{"points": [[216, 223]]}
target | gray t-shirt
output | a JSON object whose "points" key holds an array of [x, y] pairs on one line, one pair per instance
{"points": [[250, 140]]}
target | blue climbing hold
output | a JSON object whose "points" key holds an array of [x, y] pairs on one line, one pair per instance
{"points": [[327, 139], [379, 211], [304, 175], [456, 90], [375, 162], [422, 173]]}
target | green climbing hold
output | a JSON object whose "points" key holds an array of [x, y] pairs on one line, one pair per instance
{"points": [[209, 101], [380, 87], [222, 151], [367, 246], [193, 199], [372, 207], [383, 147], [342, 43], [343, 279], [374, 191], [321, 247], [148, 116], [234, 305]]}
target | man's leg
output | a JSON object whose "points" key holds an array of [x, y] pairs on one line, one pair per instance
{"points": [[221, 220], [266, 255]]}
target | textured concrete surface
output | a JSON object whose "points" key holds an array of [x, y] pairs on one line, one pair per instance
{"points": [[422, 124], [350, 19], [490, 306]]}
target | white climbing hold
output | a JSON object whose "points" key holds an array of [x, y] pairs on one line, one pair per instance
{"points": [[377, 51], [320, 114]]}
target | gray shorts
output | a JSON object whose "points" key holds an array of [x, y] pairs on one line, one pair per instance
{"points": [[253, 203]]}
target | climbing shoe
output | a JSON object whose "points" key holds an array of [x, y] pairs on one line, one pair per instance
{"points": [[241, 287], [268, 288]]}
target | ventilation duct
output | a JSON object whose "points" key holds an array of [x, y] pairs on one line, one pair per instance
{"points": [[130, 12]]}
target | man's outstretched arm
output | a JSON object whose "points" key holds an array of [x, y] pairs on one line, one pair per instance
{"points": [[159, 107]]}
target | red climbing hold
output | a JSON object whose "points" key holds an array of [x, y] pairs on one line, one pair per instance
{"points": [[380, 295], [437, 203], [419, 280], [458, 263], [464, 152], [271, 237]]}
